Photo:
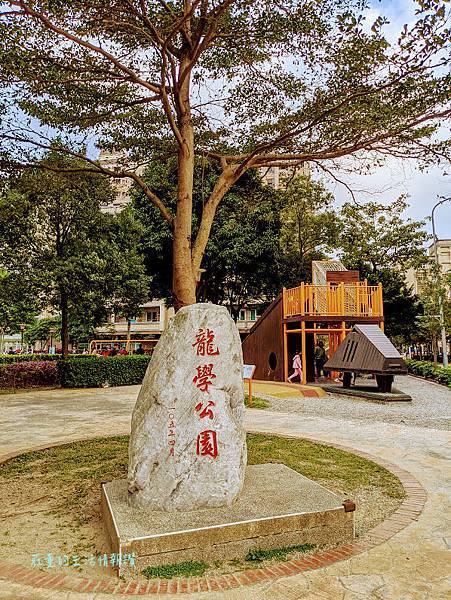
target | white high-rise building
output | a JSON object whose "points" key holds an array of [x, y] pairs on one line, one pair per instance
{"points": [[112, 160], [278, 177]]}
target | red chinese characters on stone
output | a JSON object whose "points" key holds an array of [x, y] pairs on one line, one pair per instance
{"points": [[207, 444], [204, 343], [171, 431], [204, 377], [205, 411]]}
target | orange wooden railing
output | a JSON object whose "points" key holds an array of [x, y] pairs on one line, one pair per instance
{"points": [[348, 300]]}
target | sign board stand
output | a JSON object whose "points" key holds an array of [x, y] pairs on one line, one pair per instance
{"points": [[248, 373]]}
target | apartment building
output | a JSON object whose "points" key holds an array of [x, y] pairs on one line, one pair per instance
{"points": [[147, 326], [443, 254], [278, 177], [415, 278]]}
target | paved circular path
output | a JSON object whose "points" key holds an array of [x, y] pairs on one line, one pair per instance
{"points": [[413, 564]]}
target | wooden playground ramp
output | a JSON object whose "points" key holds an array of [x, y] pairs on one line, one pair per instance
{"points": [[286, 390]]}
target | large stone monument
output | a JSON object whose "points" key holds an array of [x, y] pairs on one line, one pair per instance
{"points": [[188, 446], [189, 495]]}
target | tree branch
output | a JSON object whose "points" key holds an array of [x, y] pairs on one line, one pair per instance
{"points": [[84, 44], [94, 167]]}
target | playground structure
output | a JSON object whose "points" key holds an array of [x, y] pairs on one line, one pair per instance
{"points": [[327, 309]]}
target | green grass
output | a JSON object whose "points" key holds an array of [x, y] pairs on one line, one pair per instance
{"points": [[256, 402], [184, 569], [279, 553], [187, 569], [322, 463], [75, 470]]}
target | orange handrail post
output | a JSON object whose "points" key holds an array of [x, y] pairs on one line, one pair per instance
{"points": [[342, 299], [304, 354], [380, 300], [285, 352], [302, 299]]}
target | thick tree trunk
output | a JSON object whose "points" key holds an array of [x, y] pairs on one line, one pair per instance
{"points": [[183, 276], [129, 332], [64, 324]]}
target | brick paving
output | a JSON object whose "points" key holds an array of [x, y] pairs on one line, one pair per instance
{"points": [[406, 557]]}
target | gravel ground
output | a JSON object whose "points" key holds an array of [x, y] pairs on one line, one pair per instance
{"points": [[430, 406]]}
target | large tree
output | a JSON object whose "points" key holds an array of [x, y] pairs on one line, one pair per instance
{"points": [[310, 228], [77, 258], [242, 258], [382, 244], [247, 83], [377, 237]]}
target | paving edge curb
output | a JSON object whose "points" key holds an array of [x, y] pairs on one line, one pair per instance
{"points": [[408, 512]]}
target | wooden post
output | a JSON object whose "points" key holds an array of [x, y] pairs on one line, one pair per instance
{"points": [[284, 303], [250, 392], [343, 331], [304, 354], [380, 300], [285, 352], [342, 299], [302, 299]]}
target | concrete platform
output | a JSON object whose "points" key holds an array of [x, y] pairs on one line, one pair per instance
{"points": [[277, 507], [369, 392]]}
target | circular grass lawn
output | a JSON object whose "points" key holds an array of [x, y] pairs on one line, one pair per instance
{"points": [[50, 499]]}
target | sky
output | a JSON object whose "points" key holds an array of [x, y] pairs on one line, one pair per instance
{"points": [[399, 177]]}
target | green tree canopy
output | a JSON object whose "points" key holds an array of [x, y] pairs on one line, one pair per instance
{"points": [[18, 302], [78, 258], [245, 83], [242, 256], [377, 237], [382, 244], [435, 295], [310, 228]]}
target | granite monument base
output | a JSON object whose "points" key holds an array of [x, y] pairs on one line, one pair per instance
{"points": [[278, 507]]}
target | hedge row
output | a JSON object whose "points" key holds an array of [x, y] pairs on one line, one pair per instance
{"points": [[95, 371], [426, 369], [6, 359], [28, 374]]}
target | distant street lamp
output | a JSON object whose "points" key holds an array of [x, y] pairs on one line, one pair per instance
{"points": [[442, 316], [22, 327]]}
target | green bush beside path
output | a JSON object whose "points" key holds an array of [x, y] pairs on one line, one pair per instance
{"points": [[94, 371], [427, 369]]}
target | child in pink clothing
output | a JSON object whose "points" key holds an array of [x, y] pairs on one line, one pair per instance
{"points": [[297, 366]]}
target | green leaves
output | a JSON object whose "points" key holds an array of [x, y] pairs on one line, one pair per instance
{"points": [[58, 244], [376, 237], [310, 228], [241, 261]]}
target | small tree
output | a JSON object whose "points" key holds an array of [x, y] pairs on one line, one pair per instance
{"points": [[376, 237], [435, 294], [309, 228], [382, 244], [245, 83], [43, 330], [77, 255], [18, 303]]}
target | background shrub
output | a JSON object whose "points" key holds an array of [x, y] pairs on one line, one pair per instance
{"points": [[94, 371], [28, 374], [426, 369], [14, 358]]}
